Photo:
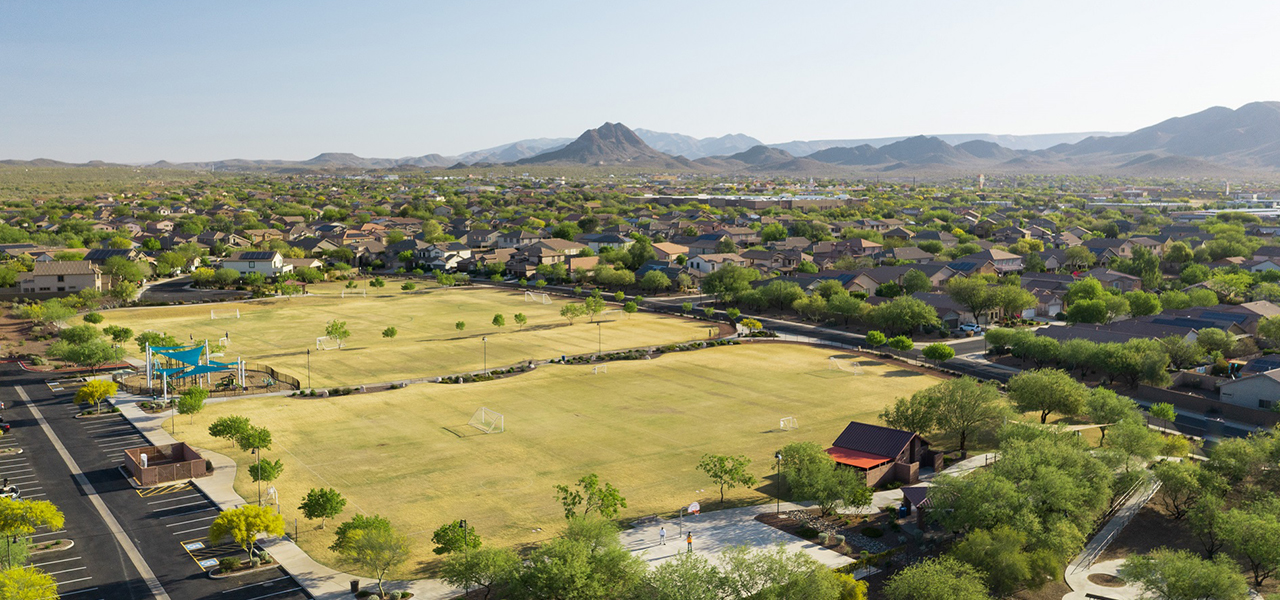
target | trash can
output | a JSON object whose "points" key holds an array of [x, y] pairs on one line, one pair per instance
{"points": [[355, 586]]}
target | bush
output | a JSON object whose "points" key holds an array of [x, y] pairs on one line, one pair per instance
{"points": [[228, 563], [93, 317], [871, 532], [823, 538], [807, 532], [839, 540]]}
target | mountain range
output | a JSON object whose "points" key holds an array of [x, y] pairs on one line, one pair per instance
{"points": [[1213, 142]]}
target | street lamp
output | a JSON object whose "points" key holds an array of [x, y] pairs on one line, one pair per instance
{"points": [[485, 339], [308, 368], [599, 339], [777, 456]]}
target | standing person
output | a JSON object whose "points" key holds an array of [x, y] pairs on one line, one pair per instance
{"points": [[689, 539], [662, 536]]}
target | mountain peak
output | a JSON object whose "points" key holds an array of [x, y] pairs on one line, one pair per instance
{"points": [[609, 144]]}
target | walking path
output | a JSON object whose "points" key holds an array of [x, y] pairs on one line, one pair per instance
{"points": [[320, 581], [1079, 570]]}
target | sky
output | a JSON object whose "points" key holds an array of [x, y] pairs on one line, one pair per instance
{"points": [[134, 81]]}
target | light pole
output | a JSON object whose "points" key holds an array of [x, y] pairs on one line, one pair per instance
{"points": [[485, 340], [308, 368], [599, 339], [777, 456]]}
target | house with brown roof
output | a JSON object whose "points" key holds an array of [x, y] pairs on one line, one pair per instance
{"points": [[65, 276], [884, 454]]}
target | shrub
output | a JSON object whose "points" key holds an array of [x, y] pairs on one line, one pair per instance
{"points": [[839, 540], [871, 532], [228, 563], [807, 532], [93, 317], [823, 538]]}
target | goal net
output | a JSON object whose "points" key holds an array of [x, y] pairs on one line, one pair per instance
{"points": [[598, 369], [327, 343], [834, 365], [354, 293], [487, 421], [224, 341], [788, 423], [229, 313], [537, 297]]}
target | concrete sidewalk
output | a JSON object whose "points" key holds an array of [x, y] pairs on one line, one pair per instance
{"points": [[715, 532], [1078, 571], [320, 581]]}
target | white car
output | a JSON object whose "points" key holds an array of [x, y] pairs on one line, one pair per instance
{"points": [[974, 327], [10, 492]]}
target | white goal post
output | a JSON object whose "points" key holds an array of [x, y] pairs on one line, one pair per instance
{"points": [[325, 342], [224, 341], [542, 297], [598, 369], [834, 364], [360, 292], [488, 421], [229, 313], [788, 423]]}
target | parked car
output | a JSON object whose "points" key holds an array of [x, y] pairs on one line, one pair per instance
{"points": [[972, 327], [4, 427], [11, 491]]}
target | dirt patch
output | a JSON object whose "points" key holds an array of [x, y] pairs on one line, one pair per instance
{"points": [[1106, 580], [1151, 528]]}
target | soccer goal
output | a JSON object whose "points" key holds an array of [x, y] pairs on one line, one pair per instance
{"points": [[327, 343], [788, 423], [834, 365], [598, 369], [229, 313], [487, 421], [354, 293], [542, 297], [224, 341]]}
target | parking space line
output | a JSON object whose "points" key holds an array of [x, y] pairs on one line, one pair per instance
{"points": [[54, 562], [65, 594], [205, 528], [11, 460], [174, 499], [34, 495], [11, 473], [74, 580], [190, 512], [172, 488], [65, 571], [276, 593], [48, 533], [245, 587], [118, 438], [192, 520], [197, 503]]}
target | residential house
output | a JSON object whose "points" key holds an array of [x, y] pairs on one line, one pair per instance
{"points": [[710, 263], [669, 251], [1254, 391], [67, 276], [268, 263], [1114, 279]]}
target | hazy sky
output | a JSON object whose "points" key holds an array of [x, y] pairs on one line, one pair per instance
{"points": [[187, 80]]}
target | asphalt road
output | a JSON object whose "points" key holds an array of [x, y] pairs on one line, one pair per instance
{"points": [[176, 290], [167, 525]]}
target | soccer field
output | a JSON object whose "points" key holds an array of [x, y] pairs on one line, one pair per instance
{"points": [[641, 426], [278, 332]]}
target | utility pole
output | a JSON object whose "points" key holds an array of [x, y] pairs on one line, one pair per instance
{"points": [[308, 368], [485, 339]]}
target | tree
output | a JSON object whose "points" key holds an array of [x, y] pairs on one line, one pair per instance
{"points": [[1088, 311], [1131, 439], [916, 414], [1215, 340], [572, 311], [729, 282], [95, 391], [229, 428], [266, 470], [118, 334], [191, 402], [323, 504], [1164, 411], [773, 232], [781, 294], [20, 518], [1011, 300], [485, 567], [521, 320], [1182, 483], [943, 578], [916, 281], [1252, 536], [226, 277], [939, 352], [904, 313], [1003, 556], [1105, 407], [409, 286], [1143, 303], [377, 551], [727, 471], [242, 525], [27, 583], [460, 325], [589, 495], [972, 293], [1207, 521], [455, 537], [499, 320], [812, 474], [901, 343], [588, 562], [1181, 353], [1047, 391], [593, 306], [1166, 574], [1079, 257], [346, 533], [875, 339], [337, 330], [963, 406], [630, 308], [390, 332]]}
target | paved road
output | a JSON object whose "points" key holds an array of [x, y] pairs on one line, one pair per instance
{"points": [[176, 290], [159, 523]]}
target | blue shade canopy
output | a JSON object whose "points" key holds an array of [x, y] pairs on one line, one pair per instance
{"points": [[202, 369], [173, 371], [222, 364], [190, 356]]}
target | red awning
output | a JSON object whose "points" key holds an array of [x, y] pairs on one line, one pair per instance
{"points": [[855, 458]]}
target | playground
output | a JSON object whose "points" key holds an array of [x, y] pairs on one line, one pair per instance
{"points": [[642, 425], [278, 332]]}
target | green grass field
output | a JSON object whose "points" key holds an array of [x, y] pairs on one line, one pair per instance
{"points": [[278, 332], [642, 426]]}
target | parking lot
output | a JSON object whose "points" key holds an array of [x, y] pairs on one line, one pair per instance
{"points": [[167, 524]]}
